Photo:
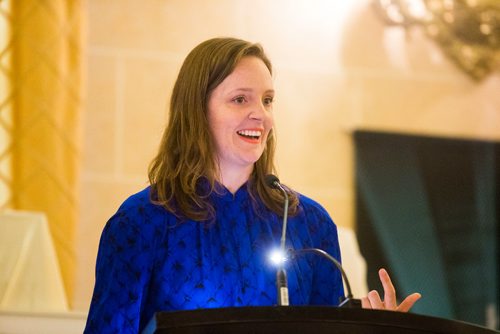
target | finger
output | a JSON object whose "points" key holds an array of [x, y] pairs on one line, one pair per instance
{"points": [[375, 300], [407, 304], [365, 303], [389, 291]]}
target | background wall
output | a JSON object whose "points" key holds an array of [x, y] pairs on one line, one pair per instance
{"points": [[337, 68]]}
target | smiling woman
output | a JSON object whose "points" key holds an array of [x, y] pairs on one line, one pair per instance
{"points": [[199, 236], [240, 119], [215, 96]]}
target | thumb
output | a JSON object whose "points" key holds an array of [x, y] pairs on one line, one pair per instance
{"points": [[407, 304]]}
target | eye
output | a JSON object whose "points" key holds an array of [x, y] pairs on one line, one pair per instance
{"points": [[268, 101], [239, 99]]}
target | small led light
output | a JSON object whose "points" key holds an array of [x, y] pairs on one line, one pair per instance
{"points": [[277, 257]]}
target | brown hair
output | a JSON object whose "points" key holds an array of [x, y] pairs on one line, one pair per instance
{"points": [[187, 158]]}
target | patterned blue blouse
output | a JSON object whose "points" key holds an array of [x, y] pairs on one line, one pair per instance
{"points": [[148, 261]]}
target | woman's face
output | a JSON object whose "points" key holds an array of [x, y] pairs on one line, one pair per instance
{"points": [[240, 114]]}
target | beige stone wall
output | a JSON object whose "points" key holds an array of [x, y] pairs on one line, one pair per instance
{"points": [[336, 70]]}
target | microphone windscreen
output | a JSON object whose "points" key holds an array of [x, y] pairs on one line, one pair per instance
{"points": [[272, 181]]}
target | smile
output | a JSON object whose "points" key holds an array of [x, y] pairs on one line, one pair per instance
{"points": [[251, 134]]}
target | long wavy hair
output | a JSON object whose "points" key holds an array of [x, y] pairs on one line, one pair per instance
{"points": [[184, 172]]}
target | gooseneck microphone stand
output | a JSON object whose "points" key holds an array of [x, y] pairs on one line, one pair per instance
{"points": [[349, 301], [281, 279]]}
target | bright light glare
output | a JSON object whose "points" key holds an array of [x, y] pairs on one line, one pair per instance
{"points": [[277, 257]]}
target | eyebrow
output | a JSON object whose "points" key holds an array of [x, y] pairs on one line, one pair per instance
{"points": [[250, 90]]}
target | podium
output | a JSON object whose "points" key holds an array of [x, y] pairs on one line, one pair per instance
{"points": [[303, 319]]}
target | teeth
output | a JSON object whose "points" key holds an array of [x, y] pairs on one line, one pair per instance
{"points": [[250, 133]]}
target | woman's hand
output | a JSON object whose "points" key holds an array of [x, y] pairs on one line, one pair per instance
{"points": [[389, 303]]}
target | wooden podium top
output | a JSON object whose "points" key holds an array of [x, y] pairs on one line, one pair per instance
{"points": [[303, 319]]}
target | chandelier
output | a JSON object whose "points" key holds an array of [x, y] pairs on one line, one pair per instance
{"points": [[468, 31]]}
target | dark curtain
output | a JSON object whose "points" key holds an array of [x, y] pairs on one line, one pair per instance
{"points": [[427, 209]]}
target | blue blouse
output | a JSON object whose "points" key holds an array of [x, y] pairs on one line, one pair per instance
{"points": [[149, 261]]}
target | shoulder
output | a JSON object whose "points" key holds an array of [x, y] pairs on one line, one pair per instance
{"points": [[139, 204], [142, 198], [309, 206], [315, 218], [319, 225], [137, 216]]}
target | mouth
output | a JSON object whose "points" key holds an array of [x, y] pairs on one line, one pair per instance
{"points": [[252, 135]]}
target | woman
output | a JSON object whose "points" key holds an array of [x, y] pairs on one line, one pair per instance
{"points": [[199, 236]]}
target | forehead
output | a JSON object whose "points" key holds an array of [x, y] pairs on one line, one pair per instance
{"points": [[250, 73]]}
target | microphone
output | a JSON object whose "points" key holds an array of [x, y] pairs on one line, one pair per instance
{"points": [[281, 281], [349, 301]]}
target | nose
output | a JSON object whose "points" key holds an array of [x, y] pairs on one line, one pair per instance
{"points": [[259, 111]]}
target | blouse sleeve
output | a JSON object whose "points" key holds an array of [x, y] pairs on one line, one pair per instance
{"points": [[123, 268], [327, 283]]}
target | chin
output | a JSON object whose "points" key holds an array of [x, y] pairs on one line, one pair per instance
{"points": [[250, 160]]}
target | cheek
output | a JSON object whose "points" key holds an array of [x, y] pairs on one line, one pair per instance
{"points": [[219, 134], [215, 122], [222, 130]]}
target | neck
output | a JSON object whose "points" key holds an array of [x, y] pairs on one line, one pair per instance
{"points": [[233, 179]]}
